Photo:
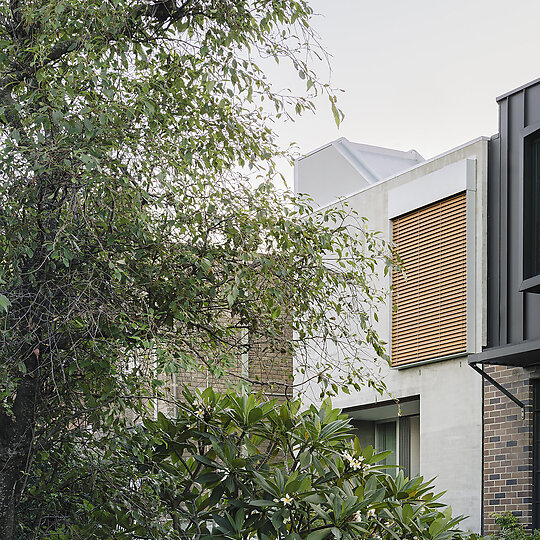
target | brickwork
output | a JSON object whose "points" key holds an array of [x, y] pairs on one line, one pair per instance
{"points": [[508, 441], [269, 371]]}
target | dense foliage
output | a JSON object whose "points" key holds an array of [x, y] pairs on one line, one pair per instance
{"points": [[509, 528], [233, 467], [132, 240]]}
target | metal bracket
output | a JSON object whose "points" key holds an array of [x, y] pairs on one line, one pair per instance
{"points": [[500, 387]]}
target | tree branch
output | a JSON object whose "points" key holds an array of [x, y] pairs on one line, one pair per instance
{"points": [[162, 11]]}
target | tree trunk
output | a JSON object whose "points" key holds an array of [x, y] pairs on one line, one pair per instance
{"points": [[9, 476], [16, 436]]}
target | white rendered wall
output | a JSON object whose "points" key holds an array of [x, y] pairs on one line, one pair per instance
{"points": [[450, 391]]}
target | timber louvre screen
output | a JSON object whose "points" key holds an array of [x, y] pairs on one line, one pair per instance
{"points": [[430, 320]]}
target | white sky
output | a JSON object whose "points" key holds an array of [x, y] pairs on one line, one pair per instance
{"points": [[420, 74]]}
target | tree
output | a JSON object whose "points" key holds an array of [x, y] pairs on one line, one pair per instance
{"points": [[132, 239], [233, 467]]}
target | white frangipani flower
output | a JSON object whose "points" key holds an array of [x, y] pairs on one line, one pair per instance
{"points": [[355, 462]]}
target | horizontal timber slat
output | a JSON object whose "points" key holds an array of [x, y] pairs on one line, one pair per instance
{"points": [[430, 320]]}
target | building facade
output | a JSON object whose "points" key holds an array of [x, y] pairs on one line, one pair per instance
{"points": [[511, 357], [467, 227], [434, 211]]}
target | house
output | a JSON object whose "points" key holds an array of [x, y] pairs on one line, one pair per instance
{"points": [[510, 360], [435, 212], [264, 366]]}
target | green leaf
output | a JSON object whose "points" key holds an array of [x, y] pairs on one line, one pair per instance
{"points": [[261, 503], [319, 535], [336, 112], [204, 460], [255, 415], [4, 303], [436, 527], [407, 512], [277, 520]]}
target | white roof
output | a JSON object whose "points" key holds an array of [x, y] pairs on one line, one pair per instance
{"points": [[383, 162], [374, 163], [341, 167]]}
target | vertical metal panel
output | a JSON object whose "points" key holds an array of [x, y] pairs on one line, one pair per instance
{"points": [[503, 225], [493, 241], [532, 102], [514, 223], [531, 306], [513, 316]]}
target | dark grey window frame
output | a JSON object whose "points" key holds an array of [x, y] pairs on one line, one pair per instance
{"points": [[532, 283]]}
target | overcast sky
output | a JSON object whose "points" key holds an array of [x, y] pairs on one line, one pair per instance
{"points": [[420, 74]]}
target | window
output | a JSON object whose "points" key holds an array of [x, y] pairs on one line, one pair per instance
{"points": [[387, 426], [429, 317], [402, 437], [531, 213], [386, 439]]}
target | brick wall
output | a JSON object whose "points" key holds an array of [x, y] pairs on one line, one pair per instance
{"points": [[508, 445], [270, 372]]}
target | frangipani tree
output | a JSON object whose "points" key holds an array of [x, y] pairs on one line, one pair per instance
{"points": [[233, 467]]}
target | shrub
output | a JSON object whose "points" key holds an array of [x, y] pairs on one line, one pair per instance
{"points": [[233, 467], [511, 529]]}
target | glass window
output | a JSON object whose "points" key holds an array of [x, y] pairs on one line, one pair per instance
{"points": [[531, 207], [384, 428], [385, 439]]}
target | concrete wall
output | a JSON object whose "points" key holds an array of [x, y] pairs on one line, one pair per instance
{"points": [[450, 391]]}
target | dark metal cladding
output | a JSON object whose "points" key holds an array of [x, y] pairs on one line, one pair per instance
{"points": [[493, 242], [513, 303]]}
